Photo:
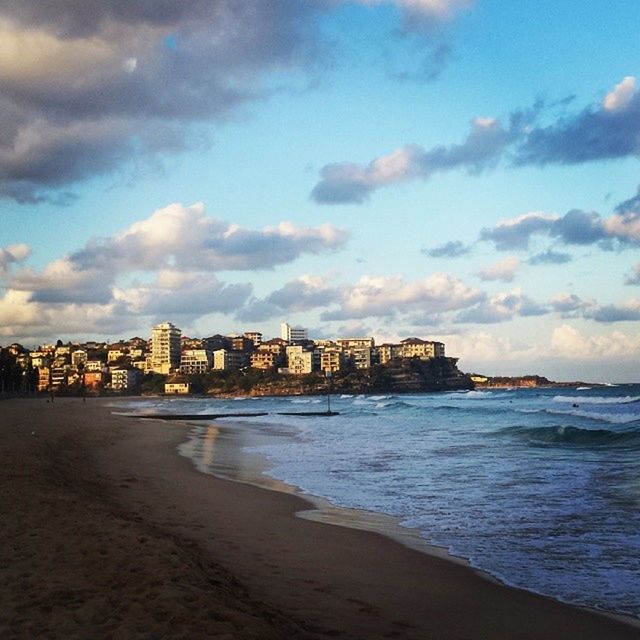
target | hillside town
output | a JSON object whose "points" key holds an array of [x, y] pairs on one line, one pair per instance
{"points": [[171, 363]]}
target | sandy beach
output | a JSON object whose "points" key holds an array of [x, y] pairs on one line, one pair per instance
{"points": [[108, 533]]}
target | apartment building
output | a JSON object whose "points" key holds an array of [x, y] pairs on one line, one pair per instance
{"points": [[165, 348], [224, 359], [196, 361]]}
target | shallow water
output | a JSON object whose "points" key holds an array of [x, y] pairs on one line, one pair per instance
{"points": [[539, 487]]}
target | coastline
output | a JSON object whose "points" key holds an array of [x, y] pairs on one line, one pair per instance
{"points": [[280, 576], [253, 469]]}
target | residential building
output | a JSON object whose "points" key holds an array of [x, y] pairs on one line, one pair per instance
{"points": [[94, 365], [255, 337], [241, 343], [293, 334], [94, 380], [224, 359], [58, 377], [299, 360], [356, 343], [165, 348], [275, 345], [215, 342], [177, 388], [39, 359], [388, 352], [44, 378], [262, 359], [196, 361], [115, 354], [424, 349], [331, 359], [78, 357], [123, 379]]}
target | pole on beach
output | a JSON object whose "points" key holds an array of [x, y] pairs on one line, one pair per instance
{"points": [[328, 374]]}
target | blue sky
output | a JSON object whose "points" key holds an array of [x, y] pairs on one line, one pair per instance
{"points": [[453, 169]]}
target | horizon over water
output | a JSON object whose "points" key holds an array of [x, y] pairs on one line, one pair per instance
{"points": [[538, 487]]}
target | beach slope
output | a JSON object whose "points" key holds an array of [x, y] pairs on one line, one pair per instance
{"points": [[108, 533]]}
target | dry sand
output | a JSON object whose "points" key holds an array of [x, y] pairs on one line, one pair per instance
{"points": [[107, 533]]}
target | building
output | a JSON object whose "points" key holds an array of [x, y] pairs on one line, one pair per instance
{"points": [[359, 351], [293, 334], [356, 343], [93, 380], [196, 361], [177, 388], [423, 349], [44, 378], [224, 359], [115, 353], [263, 359], [94, 365], [123, 379], [299, 360], [165, 348], [241, 343], [331, 359], [39, 359], [78, 357], [255, 337], [388, 352]]}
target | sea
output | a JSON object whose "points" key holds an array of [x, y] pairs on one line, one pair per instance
{"points": [[538, 487]]}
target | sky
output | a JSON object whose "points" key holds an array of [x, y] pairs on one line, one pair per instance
{"points": [[458, 170]]}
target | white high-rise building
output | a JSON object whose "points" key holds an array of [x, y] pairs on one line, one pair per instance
{"points": [[165, 348], [293, 334]]}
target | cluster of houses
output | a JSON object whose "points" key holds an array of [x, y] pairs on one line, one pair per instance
{"points": [[122, 366]]}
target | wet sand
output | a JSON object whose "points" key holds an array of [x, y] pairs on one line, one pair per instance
{"points": [[108, 533]]}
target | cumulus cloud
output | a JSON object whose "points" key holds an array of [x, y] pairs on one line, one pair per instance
{"points": [[621, 95], [347, 182], [386, 296], [549, 256], [163, 264], [501, 308], [187, 238], [176, 293], [300, 294], [625, 312], [425, 13], [610, 129], [13, 254], [568, 342], [453, 249], [575, 227], [566, 303], [634, 276], [21, 317], [504, 270], [126, 79], [604, 131]]}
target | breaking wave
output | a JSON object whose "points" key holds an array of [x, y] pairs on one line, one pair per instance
{"points": [[576, 436]]}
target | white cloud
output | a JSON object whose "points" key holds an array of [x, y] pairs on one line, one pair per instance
{"points": [[504, 270], [621, 95], [568, 342], [437, 10], [387, 295], [173, 256], [13, 254]]}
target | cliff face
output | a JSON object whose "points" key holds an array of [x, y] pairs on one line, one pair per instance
{"points": [[398, 376]]}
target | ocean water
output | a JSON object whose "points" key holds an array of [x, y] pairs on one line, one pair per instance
{"points": [[538, 487]]}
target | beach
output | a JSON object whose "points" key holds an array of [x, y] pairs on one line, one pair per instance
{"points": [[109, 533]]}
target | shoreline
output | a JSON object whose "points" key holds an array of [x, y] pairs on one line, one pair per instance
{"points": [[144, 543], [321, 509]]}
